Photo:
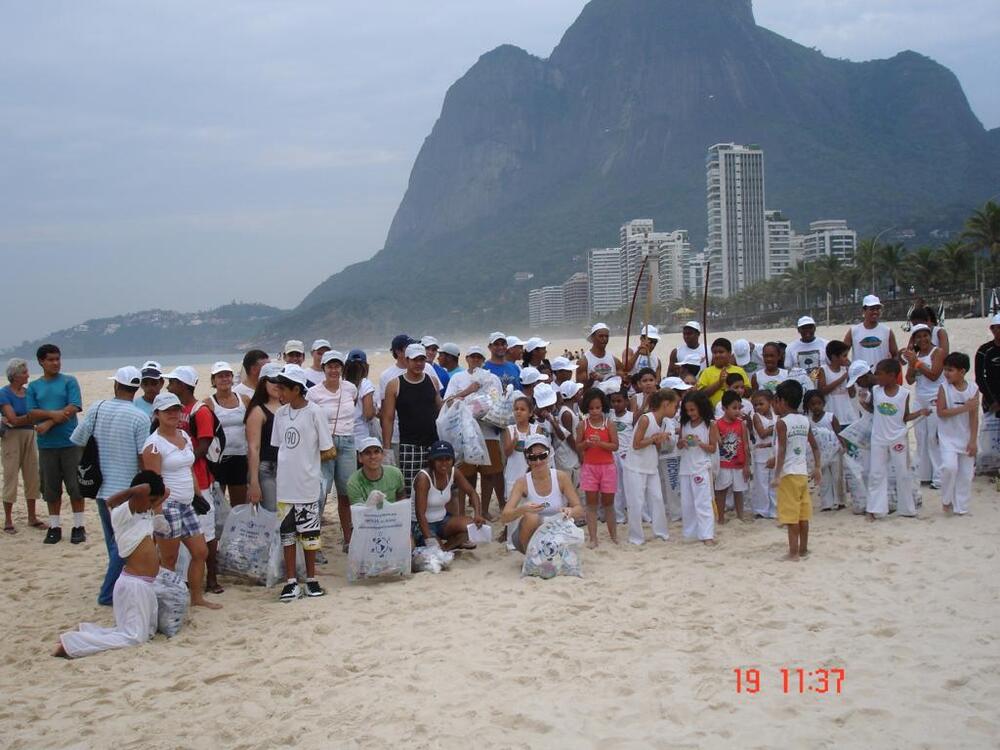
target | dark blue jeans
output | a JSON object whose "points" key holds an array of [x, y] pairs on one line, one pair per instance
{"points": [[115, 563]]}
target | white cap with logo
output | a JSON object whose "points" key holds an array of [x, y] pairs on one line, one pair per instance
{"points": [[450, 348], [166, 400], [598, 327], [530, 376], [545, 395], [497, 336], [562, 364], [741, 351], [693, 324]]}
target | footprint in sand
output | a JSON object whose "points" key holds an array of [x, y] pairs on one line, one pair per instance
{"points": [[956, 682]]}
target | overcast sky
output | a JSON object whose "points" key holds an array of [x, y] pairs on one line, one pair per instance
{"points": [[184, 154]]}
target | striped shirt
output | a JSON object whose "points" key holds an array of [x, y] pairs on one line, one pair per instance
{"points": [[121, 430]]}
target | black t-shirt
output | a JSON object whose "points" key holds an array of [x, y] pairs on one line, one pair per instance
{"points": [[988, 373]]}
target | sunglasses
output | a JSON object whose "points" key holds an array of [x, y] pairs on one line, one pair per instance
{"points": [[537, 456]]}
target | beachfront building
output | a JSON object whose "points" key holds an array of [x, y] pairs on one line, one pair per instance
{"points": [[736, 225], [694, 272], [779, 238], [639, 240], [545, 306], [674, 248], [830, 237], [576, 298], [606, 280]]}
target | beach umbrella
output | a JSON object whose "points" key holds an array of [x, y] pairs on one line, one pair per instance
{"points": [[683, 311]]}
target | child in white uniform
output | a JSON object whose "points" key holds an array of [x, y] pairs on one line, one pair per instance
{"points": [[925, 371], [831, 491], [762, 497], [832, 383], [513, 442], [642, 480], [890, 407], [699, 441], [622, 418], [958, 428]]}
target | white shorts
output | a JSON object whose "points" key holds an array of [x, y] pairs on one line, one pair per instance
{"points": [[731, 478]]}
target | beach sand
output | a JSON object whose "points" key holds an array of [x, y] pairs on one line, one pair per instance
{"points": [[639, 653]]}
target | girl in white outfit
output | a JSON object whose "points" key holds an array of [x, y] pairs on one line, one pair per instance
{"points": [[513, 443], [831, 491], [622, 418], [925, 371], [642, 478], [762, 497], [958, 427], [698, 442]]}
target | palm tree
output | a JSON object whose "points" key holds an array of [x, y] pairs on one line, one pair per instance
{"points": [[921, 267], [797, 279], [829, 271], [864, 260], [890, 261], [956, 262], [982, 232]]}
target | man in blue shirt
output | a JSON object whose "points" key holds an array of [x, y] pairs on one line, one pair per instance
{"points": [[508, 372], [120, 430], [53, 402], [431, 345], [491, 475]]}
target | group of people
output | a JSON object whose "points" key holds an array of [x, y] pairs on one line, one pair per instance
{"points": [[632, 440]]}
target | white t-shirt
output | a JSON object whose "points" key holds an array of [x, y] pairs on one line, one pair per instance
{"points": [[175, 465], [888, 427], [807, 356], [954, 433], [686, 352], [300, 435], [338, 408], [242, 389], [796, 445], [315, 376], [363, 429]]}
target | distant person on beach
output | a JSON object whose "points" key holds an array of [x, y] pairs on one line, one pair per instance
{"points": [[53, 401], [871, 340], [809, 352], [20, 452], [366, 403], [690, 351], [150, 385], [432, 494], [546, 492], [134, 513], [596, 365], [120, 431], [253, 360], [698, 443], [644, 357]]}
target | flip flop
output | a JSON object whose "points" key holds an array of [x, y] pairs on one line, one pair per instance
{"points": [[216, 589], [465, 545], [9, 530], [36, 524]]}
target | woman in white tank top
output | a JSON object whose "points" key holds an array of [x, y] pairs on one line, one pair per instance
{"points": [[539, 494], [232, 470], [432, 492], [925, 372]]}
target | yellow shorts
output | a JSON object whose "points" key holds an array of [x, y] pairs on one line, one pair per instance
{"points": [[794, 504]]}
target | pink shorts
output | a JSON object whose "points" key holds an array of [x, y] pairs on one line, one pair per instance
{"points": [[599, 478]]}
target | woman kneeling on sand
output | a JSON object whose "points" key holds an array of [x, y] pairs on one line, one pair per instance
{"points": [[546, 490], [432, 488]]}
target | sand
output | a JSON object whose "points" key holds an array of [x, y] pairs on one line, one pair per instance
{"points": [[640, 653]]}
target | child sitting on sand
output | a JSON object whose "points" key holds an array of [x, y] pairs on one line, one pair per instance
{"points": [[792, 437], [132, 518]]}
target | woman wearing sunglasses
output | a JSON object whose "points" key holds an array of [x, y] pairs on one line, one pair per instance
{"points": [[545, 492]]}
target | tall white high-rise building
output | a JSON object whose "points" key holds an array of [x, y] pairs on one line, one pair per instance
{"points": [[830, 237], [694, 273], [606, 279], [546, 306], [672, 253], [778, 237], [576, 298], [736, 225], [638, 240]]}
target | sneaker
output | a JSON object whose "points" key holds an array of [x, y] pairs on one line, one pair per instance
{"points": [[77, 535], [291, 592], [53, 536], [314, 589]]}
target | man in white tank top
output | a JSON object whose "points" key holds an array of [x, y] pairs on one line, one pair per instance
{"points": [[690, 350], [871, 340], [596, 365]]}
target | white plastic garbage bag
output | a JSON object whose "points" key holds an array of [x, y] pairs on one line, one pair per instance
{"points": [[275, 572], [501, 413], [474, 450], [553, 550], [380, 543], [859, 435], [431, 559], [220, 504], [988, 460], [829, 447], [449, 427], [245, 544], [171, 600]]}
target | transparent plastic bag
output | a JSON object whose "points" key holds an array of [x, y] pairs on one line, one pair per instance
{"points": [[501, 413], [988, 460], [553, 550], [245, 544], [431, 559], [829, 447], [449, 427], [172, 602], [380, 543], [473, 443]]}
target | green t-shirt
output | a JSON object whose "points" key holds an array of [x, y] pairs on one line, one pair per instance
{"points": [[359, 486]]}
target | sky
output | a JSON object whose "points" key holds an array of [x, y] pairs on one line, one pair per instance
{"points": [[182, 155]]}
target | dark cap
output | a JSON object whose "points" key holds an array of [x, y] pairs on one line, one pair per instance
{"points": [[441, 449], [400, 342], [356, 355], [151, 373]]}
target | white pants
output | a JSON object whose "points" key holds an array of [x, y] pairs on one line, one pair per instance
{"points": [[620, 501], [670, 490], [644, 490], [898, 455], [956, 480], [831, 494], [697, 510], [763, 501], [135, 621], [928, 460]]}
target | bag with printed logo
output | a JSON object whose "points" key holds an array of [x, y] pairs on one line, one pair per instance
{"points": [[380, 542]]}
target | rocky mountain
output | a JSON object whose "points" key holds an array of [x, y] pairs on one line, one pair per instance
{"points": [[225, 329], [533, 161]]}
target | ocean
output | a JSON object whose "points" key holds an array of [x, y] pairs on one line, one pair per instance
{"points": [[71, 365]]}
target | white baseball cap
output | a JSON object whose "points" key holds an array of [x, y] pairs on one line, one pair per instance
{"points": [[270, 371], [151, 364], [294, 345], [855, 370], [530, 376], [674, 383], [450, 348], [609, 386], [475, 351], [221, 367], [805, 320], [497, 336], [428, 341], [562, 364], [294, 373], [185, 374], [741, 351], [332, 356], [545, 395], [166, 400], [534, 343], [598, 327], [536, 438], [415, 350], [919, 327], [569, 389], [128, 376], [871, 300], [513, 341], [651, 332], [368, 442], [320, 344], [693, 324]]}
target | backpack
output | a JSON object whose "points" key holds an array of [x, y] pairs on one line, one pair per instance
{"points": [[88, 470], [218, 443]]}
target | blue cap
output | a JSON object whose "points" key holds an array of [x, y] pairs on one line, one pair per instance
{"points": [[356, 355], [400, 342], [441, 449]]}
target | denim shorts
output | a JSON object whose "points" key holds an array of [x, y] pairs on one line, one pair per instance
{"points": [[337, 471]]}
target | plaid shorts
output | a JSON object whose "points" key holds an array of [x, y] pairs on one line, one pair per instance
{"points": [[412, 458], [183, 520]]}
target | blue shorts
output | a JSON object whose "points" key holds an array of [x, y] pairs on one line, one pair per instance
{"points": [[436, 528]]}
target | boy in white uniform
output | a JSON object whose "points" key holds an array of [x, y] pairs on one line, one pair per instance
{"points": [[958, 428]]}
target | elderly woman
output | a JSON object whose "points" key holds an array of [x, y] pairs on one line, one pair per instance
{"points": [[545, 492], [19, 450]]}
